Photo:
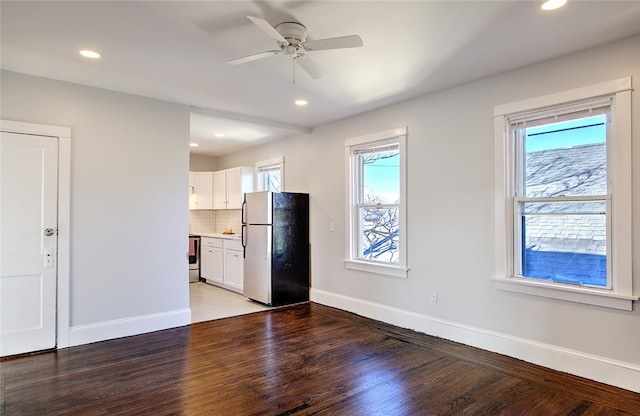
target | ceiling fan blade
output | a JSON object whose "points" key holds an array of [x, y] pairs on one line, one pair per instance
{"points": [[310, 67], [267, 28], [253, 57], [351, 41]]}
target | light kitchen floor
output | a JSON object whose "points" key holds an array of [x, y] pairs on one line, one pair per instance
{"points": [[210, 302]]}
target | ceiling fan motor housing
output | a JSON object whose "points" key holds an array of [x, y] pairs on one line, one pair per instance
{"points": [[295, 33]]}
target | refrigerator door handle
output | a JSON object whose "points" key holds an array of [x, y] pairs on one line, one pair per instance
{"points": [[244, 244], [244, 204]]}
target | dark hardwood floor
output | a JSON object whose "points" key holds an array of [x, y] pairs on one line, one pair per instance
{"points": [[303, 359]]}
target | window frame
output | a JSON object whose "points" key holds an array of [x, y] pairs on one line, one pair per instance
{"points": [[620, 294], [269, 163], [353, 190]]}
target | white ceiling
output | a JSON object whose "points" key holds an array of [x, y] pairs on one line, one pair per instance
{"points": [[176, 51]]}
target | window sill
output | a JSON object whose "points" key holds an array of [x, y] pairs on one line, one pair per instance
{"points": [[395, 271], [589, 296]]}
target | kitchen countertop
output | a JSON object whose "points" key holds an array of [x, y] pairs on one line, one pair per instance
{"points": [[220, 235]]}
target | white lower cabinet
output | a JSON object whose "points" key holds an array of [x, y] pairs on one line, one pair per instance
{"points": [[211, 258], [233, 264], [217, 273], [221, 262]]}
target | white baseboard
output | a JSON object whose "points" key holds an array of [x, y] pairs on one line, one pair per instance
{"points": [[601, 369], [101, 331]]}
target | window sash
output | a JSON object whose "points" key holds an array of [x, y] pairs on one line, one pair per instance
{"points": [[360, 174], [363, 243], [264, 176], [517, 126], [519, 233], [517, 133], [357, 152]]}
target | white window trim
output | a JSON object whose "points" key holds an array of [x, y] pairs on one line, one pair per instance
{"points": [[620, 296], [350, 262], [268, 163]]}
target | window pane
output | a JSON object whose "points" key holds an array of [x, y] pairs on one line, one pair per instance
{"points": [[378, 237], [271, 181], [566, 159], [567, 248], [380, 177]]}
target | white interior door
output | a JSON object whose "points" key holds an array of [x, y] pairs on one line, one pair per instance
{"points": [[28, 242]]}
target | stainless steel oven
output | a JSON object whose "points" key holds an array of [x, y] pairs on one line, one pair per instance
{"points": [[194, 258]]}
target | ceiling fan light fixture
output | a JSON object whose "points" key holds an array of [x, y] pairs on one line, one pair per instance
{"points": [[88, 53], [300, 102], [553, 4]]}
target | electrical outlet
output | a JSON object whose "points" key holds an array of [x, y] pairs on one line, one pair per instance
{"points": [[434, 298], [332, 226]]}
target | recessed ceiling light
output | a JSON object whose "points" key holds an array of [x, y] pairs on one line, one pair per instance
{"points": [[300, 102], [219, 134], [553, 4], [89, 54], [193, 144]]}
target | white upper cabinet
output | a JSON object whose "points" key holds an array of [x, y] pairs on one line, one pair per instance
{"points": [[220, 189], [201, 190], [230, 185]]}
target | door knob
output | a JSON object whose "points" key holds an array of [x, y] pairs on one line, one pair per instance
{"points": [[49, 232]]}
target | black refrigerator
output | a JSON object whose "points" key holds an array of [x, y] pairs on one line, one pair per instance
{"points": [[275, 237]]}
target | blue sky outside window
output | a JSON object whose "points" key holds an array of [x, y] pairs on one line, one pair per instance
{"points": [[381, 177]]}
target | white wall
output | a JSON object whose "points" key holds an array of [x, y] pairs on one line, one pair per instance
{"points": [[450, 224], [202, 163], [129, 204], [294, 151]]}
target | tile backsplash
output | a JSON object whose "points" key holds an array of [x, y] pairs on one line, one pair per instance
{"points": [[202, 221], [229, 218], [209, 221]]}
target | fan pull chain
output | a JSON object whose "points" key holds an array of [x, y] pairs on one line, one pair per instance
{"points": [[294, 70]]}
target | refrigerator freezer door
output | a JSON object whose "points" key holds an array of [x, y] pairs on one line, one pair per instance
{"points": [[257, 208], [290, 252], [257, 263]]}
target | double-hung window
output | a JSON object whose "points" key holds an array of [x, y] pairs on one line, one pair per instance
{"points": [[270, 175], [376, 211], [563, 184], [561, 202]]}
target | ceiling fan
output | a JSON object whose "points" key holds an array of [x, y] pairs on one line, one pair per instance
{"points": [[292, 41]]}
